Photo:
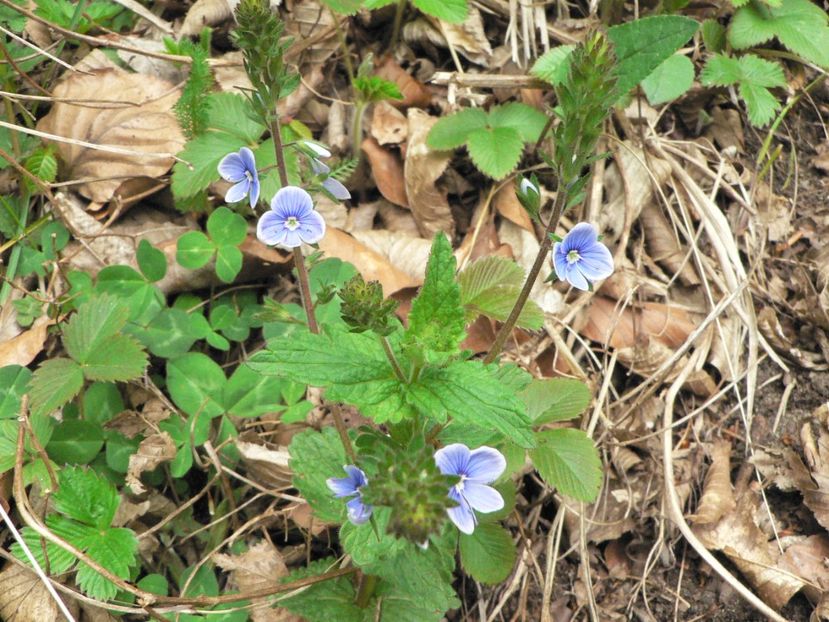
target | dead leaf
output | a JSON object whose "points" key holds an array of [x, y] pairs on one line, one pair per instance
{"points": [[717, 496], [807, 560], [468, 37], [373, 266], [387, 171], [415, 93], [22, 349], [152, 451], [267, 466], [821, 159], [422, 169], [96, 614], [397, 220], [507, 204], [388, 125], [24, 598], [406, 253], [663, 247], [143, 130], [231, 75], [206, 13]]}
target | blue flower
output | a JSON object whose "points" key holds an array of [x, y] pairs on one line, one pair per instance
{"points": [[333, 186], [476, 468], [580, 258], [291, 221], [358, 512], [240, 169]]}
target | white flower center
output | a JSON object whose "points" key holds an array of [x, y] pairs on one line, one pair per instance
{"points": [[573, 257], [460, 484], [291, 223], [248, 175]]}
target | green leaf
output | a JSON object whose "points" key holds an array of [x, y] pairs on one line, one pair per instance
{"points": [[228, 263], [232, 113], [43, 164], [375, 89], [226, 227], [644, 44], [670, 80], [487, 554], [343, 7], [713, 35], [555, 399], [800, 25], [60, 560], [194, 250], [203, 153], [490, 286], [94, 323], [324, 601], [170, 334], [436, 321], [250, 394], [526, 120], [115, 549], [453, 131], [553, 65], [143, 299], [496, 151], [117, 358], [154, 583], [151, 261], [452, 11], [196, 383], [316, 456], [54, 383], [75, 442], [567, 459], [101, 402], [754, 76], [86, 497], [13, 382]]}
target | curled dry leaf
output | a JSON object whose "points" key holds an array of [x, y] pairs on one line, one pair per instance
{"points": [[422, 169], [807, 559], [206, 13], [717, 496], [664, 248], [144, 129], [372, 265], [267, 466], [507, 204], [388, 125], [468, 37], [22, 349], [152, 451], [387, 171], [406, 253], [414, 92], [24, 598], [397, 220]]}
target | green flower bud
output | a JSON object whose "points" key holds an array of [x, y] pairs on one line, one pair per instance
{"points": [[363, 307]]}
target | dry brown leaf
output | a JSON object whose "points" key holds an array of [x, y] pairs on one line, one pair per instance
{"points": [[143, 130], [232, 77], [152, 451], [665, 323], [206, 13], [373, 266], [261, 566], [96, 614], [414, 92], [24, 598], [406, 253], [422, 169], [726, 130], [397, 220], [821, 160], [467, 38], [22, 349], [507, 204], [309, 19], [717, 496], [388, 125], [387, 171], [807, 560], [663, 247], [267, 466]]}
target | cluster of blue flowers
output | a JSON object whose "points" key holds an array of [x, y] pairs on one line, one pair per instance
{"points": [[476, 469]]}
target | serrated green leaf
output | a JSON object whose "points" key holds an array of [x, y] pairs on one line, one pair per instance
{"points": [[555, 399], [376, 89], [642, 45], [315, 457], [118, 358], [75, 442], [436, 321], [567, 460], [526, 120], [13, 382], [86, 497], [670, 80], [326, 600], [94, 323], [59, 559], [713, 35], [115, 549], [54, 383], [800, 25], [151, 261], [228, 263], [496, 151], [453, 131], [101, 402], [490, 286], [203, 154], [754, 76], [194, 250], [553, 65], [487, 554], [231, 113], [226, 227], [43, 164], [196, 383], [452, 11]]}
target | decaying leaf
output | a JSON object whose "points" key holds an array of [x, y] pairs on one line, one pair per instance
{"points": [[468, 37], [152, 451], [23, 348], [422, 169], [507, 204], [663, 246], [206, 13], [144, 131], [807, 559], [24, 598], [717, 497], [387, 171], [267, 466], [388, 125], [415, 93], [406, 253]]}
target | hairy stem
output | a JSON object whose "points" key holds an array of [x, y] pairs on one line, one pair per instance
{"points": [[398, 20], [392, 358], [546, 243], [368, 583]]}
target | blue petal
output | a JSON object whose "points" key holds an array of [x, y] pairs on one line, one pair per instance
{"points": [[576, 278], [337, 189], [560, 260], [271, 229], [358, 512], [582, 236], [292, 201], [319, 168], [341, 486], [356, 474], [254, 192], [463, 516], [485, 465], [232, 168], [237, 192], [311, 227], [249, 161], [292, 239], [482, 498], [596, 263], [321, 151], [452, 459]]}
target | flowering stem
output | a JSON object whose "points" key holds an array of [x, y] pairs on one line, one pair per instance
{"points": [[398, 20], [392, 358], [368, 583], [546, 243], [357, 129]]}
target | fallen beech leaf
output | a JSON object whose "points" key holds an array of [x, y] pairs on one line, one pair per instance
{"points": [[507, 204], [663, 247], [373, 266], [144, 130], [233, 77], [664, 323], [414, 92], [388, 172], [406, 253], [468, 37], [267, 466], [22, 349], [24, 598], [397, 219], [422, 169], [388, 124], [717, 497], [206, 13], [807, 559], [152, 451]]}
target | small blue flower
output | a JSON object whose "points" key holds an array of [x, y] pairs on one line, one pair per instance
{"points": [[291, 221], [240, 169], [476, 468], [333, 186], [316, 148], [358, 512], [580, 258]]}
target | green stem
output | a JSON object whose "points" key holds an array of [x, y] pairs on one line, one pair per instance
{"points": [[546, 243], [349, 67], [398, 20], [357, 130], [392, 358], [368, 583]]}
